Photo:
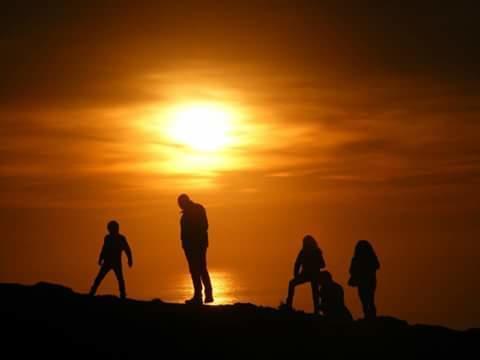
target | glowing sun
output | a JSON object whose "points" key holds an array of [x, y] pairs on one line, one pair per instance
{"points": [[201, 126]]}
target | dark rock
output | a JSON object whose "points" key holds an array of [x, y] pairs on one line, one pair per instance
{"points": [[51, 321]]}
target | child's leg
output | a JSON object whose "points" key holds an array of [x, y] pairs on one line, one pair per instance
{"points": [[291, 288], [101, 274], [121, 281]]}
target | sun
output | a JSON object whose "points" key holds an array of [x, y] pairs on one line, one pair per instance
{"points": [[201, 138], [202, 127]]}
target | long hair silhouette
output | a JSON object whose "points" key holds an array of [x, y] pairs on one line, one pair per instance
{"points": [[363, 270], [310, 244], [365, 253]]}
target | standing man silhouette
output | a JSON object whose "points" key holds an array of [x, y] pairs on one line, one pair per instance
{"points": [[194, 236]]}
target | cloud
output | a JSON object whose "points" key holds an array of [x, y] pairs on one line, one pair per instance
{"points": [[329, 99]]}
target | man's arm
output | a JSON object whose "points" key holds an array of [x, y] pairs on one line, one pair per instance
{"points": [[128, 251], [204, 220]]}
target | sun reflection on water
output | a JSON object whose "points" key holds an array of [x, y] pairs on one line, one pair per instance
{"points": [[226, 289]]}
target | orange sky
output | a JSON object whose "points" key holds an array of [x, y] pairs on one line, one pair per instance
{"points": [[351, 123]]}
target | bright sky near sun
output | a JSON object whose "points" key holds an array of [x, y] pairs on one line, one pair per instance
{"points": [[200, 137], [201, 126]]}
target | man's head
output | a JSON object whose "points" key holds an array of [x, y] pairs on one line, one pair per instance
{"points": [[113, 227], [184, 201]]}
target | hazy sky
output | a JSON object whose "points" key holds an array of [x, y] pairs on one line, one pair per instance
{"points": [[352, 121]]}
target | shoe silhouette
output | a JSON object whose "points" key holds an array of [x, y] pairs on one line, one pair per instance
{"points": [[285, 307], [194, 301]]}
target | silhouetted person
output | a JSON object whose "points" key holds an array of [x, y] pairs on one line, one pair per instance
{"points": [[194, 236], [111, 258], [363, 274], [332, 302], [307, 269]]}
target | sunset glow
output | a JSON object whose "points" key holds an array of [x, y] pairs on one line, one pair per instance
{"points": [[341, 120], [201, 126], [227, 288], [199, 138]]}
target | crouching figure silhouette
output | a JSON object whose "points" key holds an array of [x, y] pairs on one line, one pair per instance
{"points": [[332, 303]]}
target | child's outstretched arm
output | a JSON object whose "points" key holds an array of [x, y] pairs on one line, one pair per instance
{"points": [[128, 252], [101, 257]]}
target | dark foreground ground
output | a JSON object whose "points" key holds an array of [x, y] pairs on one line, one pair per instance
{"points": [[48, 321]]}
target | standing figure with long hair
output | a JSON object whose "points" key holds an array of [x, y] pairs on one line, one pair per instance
{"points": [[363, 275]]}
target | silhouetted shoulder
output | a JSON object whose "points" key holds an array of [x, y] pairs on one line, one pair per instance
{"points": [[200, 208], [201, 216], [122, 239]]}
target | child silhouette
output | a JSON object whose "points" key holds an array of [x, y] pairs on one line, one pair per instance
{"points": [[111, 258]]}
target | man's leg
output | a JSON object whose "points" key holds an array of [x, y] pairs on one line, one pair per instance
{"points": [[117, 269], [205, 277], [101, 275], [291, 288], [194, 267]]}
